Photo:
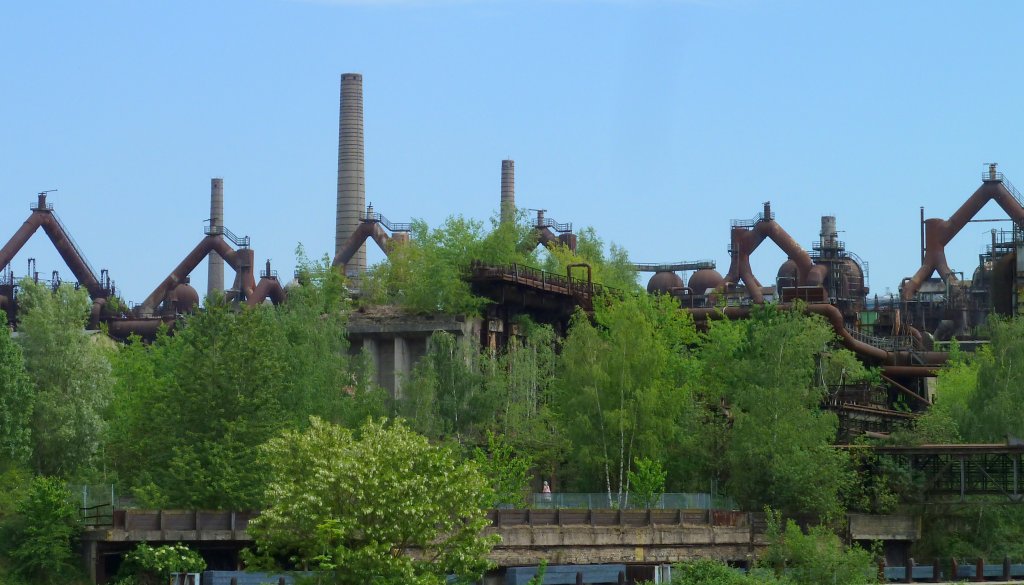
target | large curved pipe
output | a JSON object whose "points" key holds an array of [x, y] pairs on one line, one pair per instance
{"points": [[146, 328], [71, 256], [366, 230], [835, 318], [188, 264], [939, 232], [268, 288], [20, 237], [745, 242]]}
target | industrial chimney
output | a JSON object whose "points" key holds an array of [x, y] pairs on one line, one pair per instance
{"points": [[215, 264], [351, 173], [508, 191], [829, 234]]}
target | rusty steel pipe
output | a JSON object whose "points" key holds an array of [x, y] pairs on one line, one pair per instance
{"points": [[745, 242], [899, 359], [214, 243], [66, 249], [268, 288], [939, 232], [21, 237], [354, 243]]}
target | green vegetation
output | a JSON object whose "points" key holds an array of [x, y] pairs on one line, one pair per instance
{"points": [[235, 408], [38, 538], [351, 506], [147, 565]]}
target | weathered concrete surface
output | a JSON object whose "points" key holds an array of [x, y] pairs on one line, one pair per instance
{"points": [[891, 527], [581, 544]]}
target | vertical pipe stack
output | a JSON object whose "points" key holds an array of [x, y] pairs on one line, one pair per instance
{"points": [[351, 173], [829, 233], [508, 191], [215, 264]]}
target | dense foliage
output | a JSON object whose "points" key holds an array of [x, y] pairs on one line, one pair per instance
{"points": [[378, 506], [629, 401], [148, 565]]}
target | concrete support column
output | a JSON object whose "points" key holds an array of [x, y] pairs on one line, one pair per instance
{"points": [[371, 348], [403, 364]]}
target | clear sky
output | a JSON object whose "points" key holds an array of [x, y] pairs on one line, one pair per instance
{"points": [[655, 121]]}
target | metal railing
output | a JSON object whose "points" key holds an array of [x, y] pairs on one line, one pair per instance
{"points": [[817, 245], [749, 223], [626, 501], [268, 274], [537, 278], [898, 343], [1001, 178], [673, 266], [219, 230], [547, 222], [74, 244], [391, 226], [34, 206]]}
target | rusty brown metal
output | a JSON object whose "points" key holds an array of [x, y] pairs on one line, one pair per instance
{"points": [[42, 217], [745, 240], [366, 230], [241, 261], [897, 359], [939, 232]]}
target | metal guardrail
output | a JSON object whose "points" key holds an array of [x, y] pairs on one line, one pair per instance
{"points": [[74, 244], [219, 230], [547, 222], [34, 206], [749, 223], [625, 501], [268, 274], [537, 278], [898, 343], [673, 266], [1001, 178], [391, 226]]}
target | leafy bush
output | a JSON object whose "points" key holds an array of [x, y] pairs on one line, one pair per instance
{"points": [[647, 483], [816, 557], [147, 565], [43, 532], [712, 572]]}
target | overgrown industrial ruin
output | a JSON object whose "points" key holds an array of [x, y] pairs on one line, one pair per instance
{"points": [[903, 335]]}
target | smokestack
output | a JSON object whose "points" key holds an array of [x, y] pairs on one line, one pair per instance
{"points": [[351, 173], [215, 264], [829, 234], [508, 191]]}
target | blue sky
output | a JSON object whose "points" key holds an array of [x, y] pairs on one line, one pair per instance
{"points": [[655, 121]]}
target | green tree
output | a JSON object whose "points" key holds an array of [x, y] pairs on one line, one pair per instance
{"points": [[815, 557], [991, 411], [190, 407], [70, 371], [453, 391], [647, 483], [506, 470], [43, 533], [777, 449], [16, 401], [385, 507], [624, 390]]}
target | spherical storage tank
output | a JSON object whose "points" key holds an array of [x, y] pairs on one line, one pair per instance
{"points": [[787, 273], [185, 298], [664, 282], [703, 279]]}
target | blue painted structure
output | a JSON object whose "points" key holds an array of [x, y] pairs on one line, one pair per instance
{"points": [[566, 574]]}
